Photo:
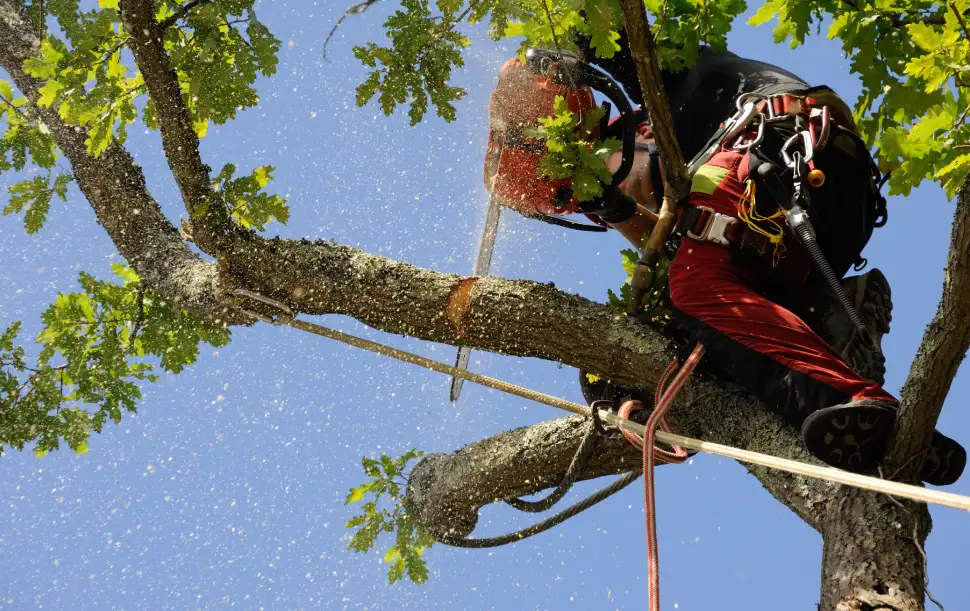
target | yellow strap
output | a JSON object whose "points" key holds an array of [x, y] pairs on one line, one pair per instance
{"points": [[748, 214]]}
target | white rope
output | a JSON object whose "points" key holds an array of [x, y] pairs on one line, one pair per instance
{"points": [[829, 474]]}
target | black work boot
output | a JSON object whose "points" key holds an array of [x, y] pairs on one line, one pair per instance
{"points": [[871, 295], [853, 437]]}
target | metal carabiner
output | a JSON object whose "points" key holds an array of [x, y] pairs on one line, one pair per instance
{"points": [[747, 146], [809, 148], [740, 102], [823, 136], [740, 121]]}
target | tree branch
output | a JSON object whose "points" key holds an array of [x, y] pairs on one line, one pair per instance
{"points": [[353, 9], [447, 490], [677, 179], [183, 11], [115, 187], [179, 140], [945, 343]]}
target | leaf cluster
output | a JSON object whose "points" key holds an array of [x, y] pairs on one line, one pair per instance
{"points": [[33, 196], [681, 27], [657, 308], [25, 139], [405, 556], [90, 84], [86, 80], [573, 150], [416, 68], [96, 345], [217, 62], [248, 205]]}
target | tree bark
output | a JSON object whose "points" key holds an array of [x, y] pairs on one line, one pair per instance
{"points": [[179, 140], [115, 187]]}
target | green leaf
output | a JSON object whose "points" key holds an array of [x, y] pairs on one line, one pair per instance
{"points": [[357, 494], [953, 175], [249, 206], [768, 11], [33, 198]]}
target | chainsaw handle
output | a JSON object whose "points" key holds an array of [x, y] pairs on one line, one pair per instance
{"points": [[546, 63]]}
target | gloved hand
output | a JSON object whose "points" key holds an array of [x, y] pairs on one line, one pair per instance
{"points": [[614, 207], [619, 204]]}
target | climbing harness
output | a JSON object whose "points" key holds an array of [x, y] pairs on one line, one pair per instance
{"points": [[644, 436], [744, 132]]}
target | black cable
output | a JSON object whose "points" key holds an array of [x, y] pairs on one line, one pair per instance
{"points": [[548, 523], [580, 458], [578, 463], [805, 235]]}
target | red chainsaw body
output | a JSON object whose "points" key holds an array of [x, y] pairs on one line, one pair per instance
{"points": [[512, 159]]}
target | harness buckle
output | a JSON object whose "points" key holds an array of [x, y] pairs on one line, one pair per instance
{"points": [[714, 229]]}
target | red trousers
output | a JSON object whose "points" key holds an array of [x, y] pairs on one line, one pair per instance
{"points": [[761, 344]]}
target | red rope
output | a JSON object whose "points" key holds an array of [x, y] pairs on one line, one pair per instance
{"points": [[651, 455]]}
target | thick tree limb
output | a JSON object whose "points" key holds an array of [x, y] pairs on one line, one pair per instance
{"points": [[447, 490], [115, 187], [944, 346], [179, 140]]}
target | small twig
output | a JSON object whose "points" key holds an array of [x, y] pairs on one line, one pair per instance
{"points": [[962, 118], [16, 109], [552, 27], [659, 26], [141, 315], [959, 15], [241, 37], [961, 147], [182, 12], [114, 49], [353, 9]]}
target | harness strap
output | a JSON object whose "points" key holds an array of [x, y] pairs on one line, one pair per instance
{"points": [[705, 225]]}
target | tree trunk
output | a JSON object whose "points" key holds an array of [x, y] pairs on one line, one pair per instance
{"points": [[871, 554]]}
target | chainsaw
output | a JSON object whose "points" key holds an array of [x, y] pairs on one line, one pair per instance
{"points": [[527, 92]]}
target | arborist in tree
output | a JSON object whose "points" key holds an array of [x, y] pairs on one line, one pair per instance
{"points": [[743, 283], [751, 277]]}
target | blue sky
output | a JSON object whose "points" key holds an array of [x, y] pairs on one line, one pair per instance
{"points": [[226, 489]]}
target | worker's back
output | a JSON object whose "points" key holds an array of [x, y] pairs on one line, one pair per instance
{"points": [[703, 96]]}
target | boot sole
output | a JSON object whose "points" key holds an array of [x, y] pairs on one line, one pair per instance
{"points": [[944, 462], [854, 438]]}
